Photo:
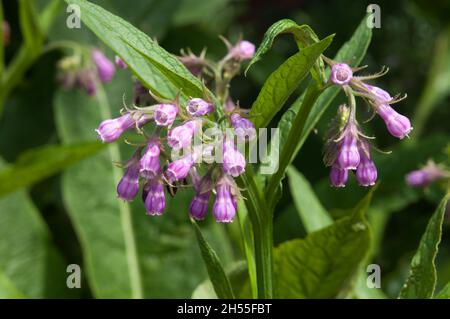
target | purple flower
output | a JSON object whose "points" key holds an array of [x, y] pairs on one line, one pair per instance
{"points": [[128, 186], [425, 176], [110, 130], [179, 168], [243, 50], [199, 205], [243, 128], [341, 74], [120, 63], [233, 161], [86, 79], [338, 176], [379, 96], [398, 125], [149, 164], [105, 68], [366, 173], [348, 155], [199, 107], [154, 198], [224, 208], [165, 114], [181, 136]]}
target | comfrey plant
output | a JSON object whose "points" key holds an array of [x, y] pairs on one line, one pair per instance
{"points": [[175, 125], [348, 148], [188, 132]]}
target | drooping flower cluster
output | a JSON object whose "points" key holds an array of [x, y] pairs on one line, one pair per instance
{"points": [[77, 71], [179, 153], [426, 175], [347, 148]]}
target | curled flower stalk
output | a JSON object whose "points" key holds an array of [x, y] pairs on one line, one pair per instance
{"points": [[347, 147]]}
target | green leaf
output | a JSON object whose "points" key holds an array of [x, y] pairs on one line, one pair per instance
{"points": [[303, 34], [27, 255], [444, 293], [323, 264], [42, 162], [421, 280], [238, 275], [298, 122], [311, 211], [127, 254], [155, 67], [217, 275], [283, 82], [30, 26]]}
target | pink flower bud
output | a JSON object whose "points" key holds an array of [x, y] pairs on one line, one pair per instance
{"points": [[233, 161], [243, 50], [110, 130], [105, 68], [243, 128], [181, 136], [128, 186], [149, 164], [379, 96], [366, 173], [338, 176], [341, 74], [179, 168], [154, 198], [224, 208], [348, 156]]}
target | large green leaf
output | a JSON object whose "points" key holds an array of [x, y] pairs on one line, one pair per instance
{"points": [[324, 263], [311, 211], [217, 275], [42, 162], [154, 66], [30, 265], [283, 81], [300, 119], [303, 35], [126, 253], [421, 280]]}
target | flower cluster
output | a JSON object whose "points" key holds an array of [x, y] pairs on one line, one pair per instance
{"points": [[426, 175], [174, 154], [77, 71], [347, 147]]}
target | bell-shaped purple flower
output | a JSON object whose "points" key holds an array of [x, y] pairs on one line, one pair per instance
{"points": [[110, 130], [165, 114], [199, 107], [149, 163], [243, 128], [181, 136], [120, 63], [233, 161], [338, 176], [128, 186], [199, 205], [224, 208], [154, 198], [398, 125], [179, 168], [105, 68], [341, 74], [366, 173], [348, 155], [243, 50]]}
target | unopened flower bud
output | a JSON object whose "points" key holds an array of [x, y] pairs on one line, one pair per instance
{"points": [[128, 186], [398, 125], [224, 208], [348, 156], [105, 68], [338, 176], [179, 168], [243, 128], [149, 164], [181, 136], [233, 161], [378, 95], [366, 173], [110, 130], [426, 175], [243, 50]]}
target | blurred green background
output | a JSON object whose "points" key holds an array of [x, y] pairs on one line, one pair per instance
{"points": [[72, 217]]}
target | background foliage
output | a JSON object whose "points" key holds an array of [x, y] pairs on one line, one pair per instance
{"points": [[73, 216]]}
